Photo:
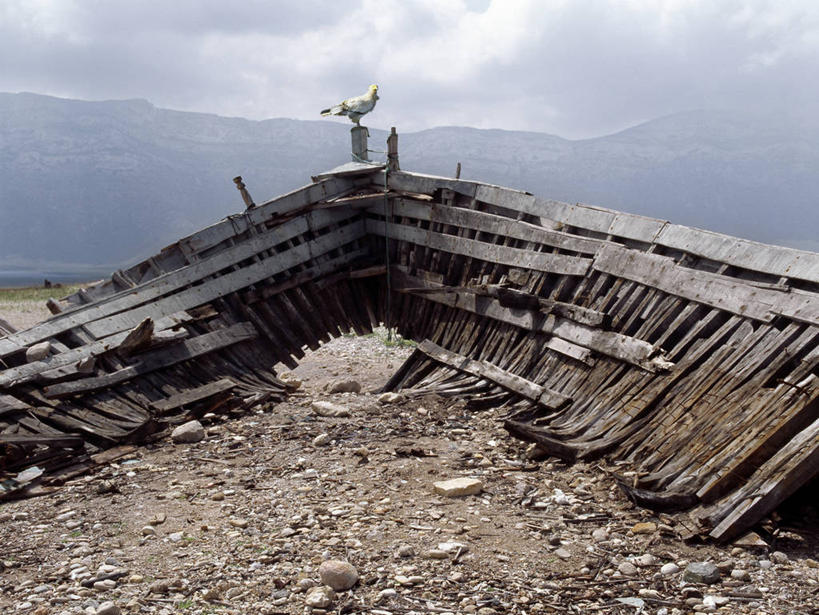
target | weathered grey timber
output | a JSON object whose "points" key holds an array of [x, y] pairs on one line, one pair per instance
{"points": [[690, 357]]}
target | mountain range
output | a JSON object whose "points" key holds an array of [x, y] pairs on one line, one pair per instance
{"points": [[106, 183]]}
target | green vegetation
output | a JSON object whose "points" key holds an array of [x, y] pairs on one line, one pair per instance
{"points": [[37, 293]]}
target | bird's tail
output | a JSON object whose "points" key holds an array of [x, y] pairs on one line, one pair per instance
{"points": [[332, 110]]}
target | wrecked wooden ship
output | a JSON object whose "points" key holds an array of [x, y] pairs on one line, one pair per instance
{"points": [[688, 356]]}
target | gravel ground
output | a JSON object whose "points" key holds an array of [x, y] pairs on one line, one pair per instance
{"points": [[241, 521]]}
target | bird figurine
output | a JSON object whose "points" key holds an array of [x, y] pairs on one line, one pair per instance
{"points": [[355, 107]]}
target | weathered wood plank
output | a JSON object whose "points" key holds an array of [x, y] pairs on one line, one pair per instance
{"points": [[185, 350], [30, 371], [194, 395], [775, 260], [484, 369], [711, 289], [229, 282], [513, 257], [610, 343], [175, 280], [491, 223]]}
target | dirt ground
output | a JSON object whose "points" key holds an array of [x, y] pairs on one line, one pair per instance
{"points": [[241, 521]]}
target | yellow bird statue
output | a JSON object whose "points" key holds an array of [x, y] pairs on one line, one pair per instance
{"points": [[355, 107]]}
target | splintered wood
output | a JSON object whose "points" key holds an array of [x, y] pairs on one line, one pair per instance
{"points": [[690, 357]]}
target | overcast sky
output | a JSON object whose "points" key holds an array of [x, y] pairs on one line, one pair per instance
{"points": [[575, 68]]}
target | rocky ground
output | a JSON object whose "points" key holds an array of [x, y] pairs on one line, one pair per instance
{"points": [[254, 517]]}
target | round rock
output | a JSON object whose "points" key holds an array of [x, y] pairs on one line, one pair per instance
{"points": [[108, 608], [319, 597], [701, 572], [338, 574]]}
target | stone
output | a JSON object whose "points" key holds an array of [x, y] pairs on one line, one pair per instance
{"points": [[405, 551], [740, 575], [391, 398], [338, 574], [701, 572], [159, 587], [627, 569], [329, 409], [563, 553], [452, 547], [669, 569], [319, 597], [38, 352], [645, 560], [458, 487], [600, 534], [189, 432], [105, 585], [777, 557], [321, 440], [344, 386], [536, 452], [385, 594], [291, 381], [148, 530], [436, 554], [108, 608], [644, 527]]}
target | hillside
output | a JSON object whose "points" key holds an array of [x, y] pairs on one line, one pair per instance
{"points": [[107, 182]]}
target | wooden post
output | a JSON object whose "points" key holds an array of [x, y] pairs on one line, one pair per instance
{"points": [[360, 134], [240, 185], [458, 171], [392, 151]]}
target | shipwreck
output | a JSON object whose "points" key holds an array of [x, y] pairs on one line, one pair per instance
{"points": [[687, 356]]}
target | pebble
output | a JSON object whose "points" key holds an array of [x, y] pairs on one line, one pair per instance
{"points": [[385, 594], [105, 585], [765, 564], [321, 439], [108, 608], [159, 587], [669, 569], [391, 398], [189, 432], [406, 551], [148, 530], [344, 386], [701, 572], [329, 409], [645, 527], [740, 575], [458, 487], [627, 569], [319, 597], [37, 352], [338, 574], [646, 560], [600, 535], [563, 553], [436, 554], [778, 557]]}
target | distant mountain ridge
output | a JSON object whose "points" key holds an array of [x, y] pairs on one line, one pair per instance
{"points": [[109, 182]]}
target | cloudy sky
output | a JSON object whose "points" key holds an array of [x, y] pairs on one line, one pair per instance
{"points": [[576, 68]]}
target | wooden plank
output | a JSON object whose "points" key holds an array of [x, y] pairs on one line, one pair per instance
{"points": [[610, 343], [11, 404], [30, 371], [707, 288], [774, 260], [229, 282], [185, 350], [491, 223], [484, 369], [513, 257], [194, 395], [791, 467], [63, 441], [175, 280]]}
